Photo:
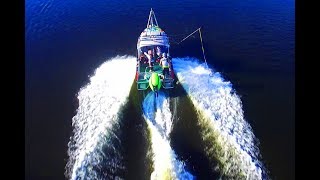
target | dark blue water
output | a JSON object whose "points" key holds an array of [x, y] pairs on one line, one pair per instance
{"points": [[250, 42]]}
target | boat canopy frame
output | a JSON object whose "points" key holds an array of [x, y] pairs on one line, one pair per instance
{"points": [[153, 35], [152, 18]]}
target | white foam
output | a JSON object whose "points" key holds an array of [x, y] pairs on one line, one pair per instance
{"points": [[158, 117], [99, 103], [217, 101]]}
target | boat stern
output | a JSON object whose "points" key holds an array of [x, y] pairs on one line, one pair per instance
{"points": [[167, 83], [142, 84]]}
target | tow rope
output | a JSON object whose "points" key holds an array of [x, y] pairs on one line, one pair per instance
{"points": [[199, 29]]}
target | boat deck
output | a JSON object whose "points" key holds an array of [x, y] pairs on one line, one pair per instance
{"points": [[145, 66]]}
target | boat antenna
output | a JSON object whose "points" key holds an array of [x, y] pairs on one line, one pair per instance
{"points": [[152, 17], [199, 29]]}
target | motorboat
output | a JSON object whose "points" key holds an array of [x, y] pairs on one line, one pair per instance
{"points": [[154, 68]]}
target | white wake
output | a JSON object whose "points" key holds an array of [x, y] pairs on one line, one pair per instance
{"points": [[232, 142], [159, 119], [97, 118]]}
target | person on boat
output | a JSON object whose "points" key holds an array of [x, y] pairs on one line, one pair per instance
{"points": [[158, 50], [164, 64], [150, 59]]}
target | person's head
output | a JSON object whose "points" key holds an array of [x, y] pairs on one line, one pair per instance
{"points": [[150, 52], [164, 55]]}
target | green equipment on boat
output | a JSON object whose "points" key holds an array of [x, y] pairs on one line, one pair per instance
{"points": [[154, 82]]}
